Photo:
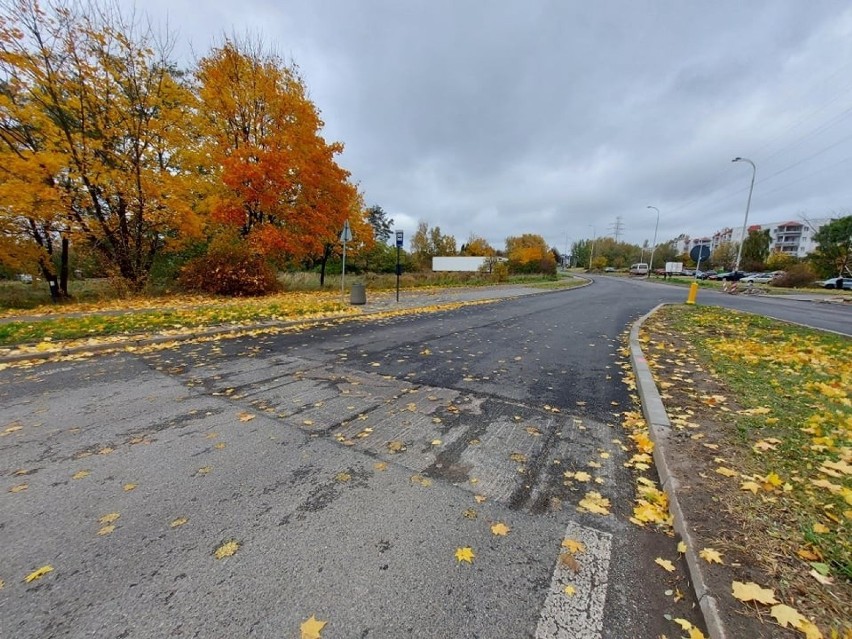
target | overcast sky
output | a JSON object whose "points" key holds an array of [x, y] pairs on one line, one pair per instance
{"points": [[500, 118]]}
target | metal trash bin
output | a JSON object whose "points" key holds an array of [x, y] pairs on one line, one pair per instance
{"points": [[359, 294]]}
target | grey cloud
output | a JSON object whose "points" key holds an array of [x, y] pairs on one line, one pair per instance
{"points": [[507, 117]]}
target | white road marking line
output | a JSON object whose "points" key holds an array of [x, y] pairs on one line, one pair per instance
{"points": [[578, 616]]}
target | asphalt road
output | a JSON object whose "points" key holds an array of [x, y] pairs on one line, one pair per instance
{"points": [[349, 463]]}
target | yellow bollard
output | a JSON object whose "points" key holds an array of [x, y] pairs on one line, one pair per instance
{"points": [[693, 292]]}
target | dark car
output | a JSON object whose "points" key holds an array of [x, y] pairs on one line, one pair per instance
{"points": [[731, 276]]}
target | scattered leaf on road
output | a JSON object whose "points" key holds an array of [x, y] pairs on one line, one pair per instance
{"points": [[465, 554], [665, 564], [573, 546], [312, 627], [227, 549], [80, 474], [500, 529], [38, 573], [594, 502], [180, 521]]}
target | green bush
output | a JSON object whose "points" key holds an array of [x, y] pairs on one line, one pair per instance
{"points": [[797, 276], [229, 267]]}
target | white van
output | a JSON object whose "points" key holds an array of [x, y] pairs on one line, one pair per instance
{"points": [[639, 269]]}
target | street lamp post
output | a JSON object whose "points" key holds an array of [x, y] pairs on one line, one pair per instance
{"points": [[594, 241], [654, 247], [748, 205]]}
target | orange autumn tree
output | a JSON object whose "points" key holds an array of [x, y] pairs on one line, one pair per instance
{"points": [[98, 128], [528, 253], [281, 187]]}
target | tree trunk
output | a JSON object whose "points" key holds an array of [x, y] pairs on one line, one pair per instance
{"points": [[326, 253], [50, 278], [63, 268]]}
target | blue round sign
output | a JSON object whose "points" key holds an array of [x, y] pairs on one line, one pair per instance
{"points": [[700, 253]]}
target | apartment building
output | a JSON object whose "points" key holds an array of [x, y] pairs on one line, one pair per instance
{"points": [[791, 237], [795, 238]]}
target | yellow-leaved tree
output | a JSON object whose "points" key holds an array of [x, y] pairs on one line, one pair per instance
{"points": [[99, 135]]}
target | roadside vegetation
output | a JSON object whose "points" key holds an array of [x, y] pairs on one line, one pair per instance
{"points": [[765, 411], [106, 315]]}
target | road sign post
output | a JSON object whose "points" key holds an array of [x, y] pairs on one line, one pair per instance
{"points": [[398, 266], [345, 236]]}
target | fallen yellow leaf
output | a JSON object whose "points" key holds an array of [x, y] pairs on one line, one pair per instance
{"points": [[727, 472], [80, 474], [465, 554], [665, 564], [38, 573], [420, 479], [500, 529], [787, 616], [752, 486], [180, 521], [594, 502], [752, 592], [573, 546], [710, 556], [681, 547], [312, 627], [128, 487], [570, 590], [227, 549]]}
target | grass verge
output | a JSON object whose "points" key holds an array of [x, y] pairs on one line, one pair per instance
{"points": [[198, 312], [787, 404]]}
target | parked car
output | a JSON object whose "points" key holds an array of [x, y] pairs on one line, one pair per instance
{"points": [[761, 278], [609, 269], [640, 268], [704, 275], [836, 282], [729, 276]]}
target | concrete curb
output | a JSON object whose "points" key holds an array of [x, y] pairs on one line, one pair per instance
{"points": [[660, 432], [139, 341]]}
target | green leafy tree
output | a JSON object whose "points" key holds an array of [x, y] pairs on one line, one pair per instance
{"points": [[665, 252], [756, 250], [381, 223], [833, 256], [427, 243], [780, 261], [581, 251], [724, 256]]}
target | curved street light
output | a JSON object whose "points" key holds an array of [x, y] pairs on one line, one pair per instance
{"points": [[654, 247], [748, 205]]}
